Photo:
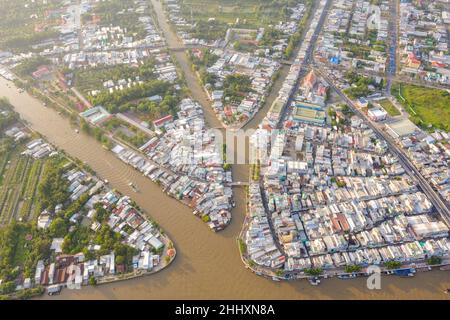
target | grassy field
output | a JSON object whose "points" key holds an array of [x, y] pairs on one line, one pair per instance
{"points": [[426, 106], [389, 107], [249, 14], [253, 13], [20, 252]]}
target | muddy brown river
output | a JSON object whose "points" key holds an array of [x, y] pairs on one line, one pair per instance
{"points": [[208, 265]]}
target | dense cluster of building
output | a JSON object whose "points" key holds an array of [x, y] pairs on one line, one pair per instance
{"points": [[187, 162], [5, 73], [114, 44], [136, 231], [286, 28], [424, 45], [97, 38], [78, 33], [273, 117], [17, 133], [261, 246], [291, 26], [430, 153], [122, 217], [259, 70], [83, 59], [38, 149], [335, 196], [354, 36], [84, 42], [164, 67]]}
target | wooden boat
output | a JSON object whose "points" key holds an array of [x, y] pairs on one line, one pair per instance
{"points": [[314, 281], [135, 189]]}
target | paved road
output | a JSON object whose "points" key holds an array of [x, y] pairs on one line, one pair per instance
{"points": [[306, 62], [393, 35]]}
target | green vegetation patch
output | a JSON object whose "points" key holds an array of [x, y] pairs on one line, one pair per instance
{"points": [[360, 85], [118, 13], [426, 106], [236, 87], [24, 23], [21, 246], [213, 17], [389, 107], [90, 79], [112, 101], [28, 66]]}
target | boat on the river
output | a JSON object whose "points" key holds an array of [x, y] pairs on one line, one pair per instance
{"points": [[275, 279], [407, 272], [135, 189], [315, 281], [53, 290], [346, 276]]}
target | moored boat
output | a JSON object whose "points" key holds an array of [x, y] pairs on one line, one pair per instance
{"points": [[408, 272], [314, 281]]}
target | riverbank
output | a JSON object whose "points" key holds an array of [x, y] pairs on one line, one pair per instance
{"points": [[195, 192], [86, 191], [205, 261]]}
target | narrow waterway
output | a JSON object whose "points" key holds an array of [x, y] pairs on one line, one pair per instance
{"points": [[208, 265], [184, 64]]}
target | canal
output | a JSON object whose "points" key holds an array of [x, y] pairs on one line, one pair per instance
{"points": [[208, 265]]}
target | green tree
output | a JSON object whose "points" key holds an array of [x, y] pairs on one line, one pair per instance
{"points": [[352, 268], [434, 260], [7, 287], [314, 271], [92, 281], [58, 228], [120, 260], [393, 264]]}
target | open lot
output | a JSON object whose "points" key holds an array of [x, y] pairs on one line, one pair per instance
{"points": [[389, 107], [251, 13], [426, 106]]}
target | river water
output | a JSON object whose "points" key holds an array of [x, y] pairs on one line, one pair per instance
{"points": [[208, 265]]}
